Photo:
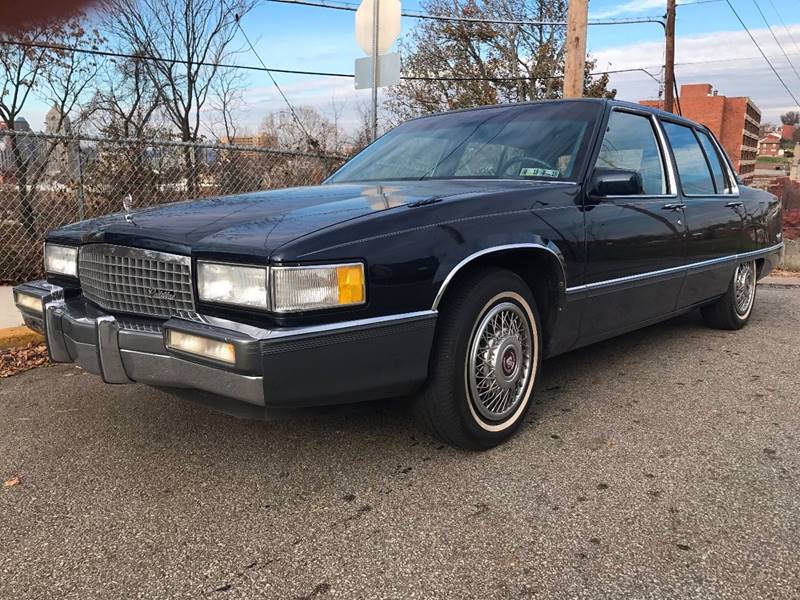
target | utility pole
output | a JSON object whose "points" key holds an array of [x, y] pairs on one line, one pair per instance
{"points": [[669, 65], [574, 71]]}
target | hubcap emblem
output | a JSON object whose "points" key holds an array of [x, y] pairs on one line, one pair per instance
{"points": [[509, 362]]}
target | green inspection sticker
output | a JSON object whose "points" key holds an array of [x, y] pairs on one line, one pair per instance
{"points": [[538, 172]]}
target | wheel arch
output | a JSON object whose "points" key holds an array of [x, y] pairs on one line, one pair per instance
{"points": [[541, 266]]}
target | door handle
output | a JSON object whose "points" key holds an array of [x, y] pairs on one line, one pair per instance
{"points": [[674, 206], [735, 204]]}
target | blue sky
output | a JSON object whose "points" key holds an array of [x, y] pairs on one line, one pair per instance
{"points": [[313, 38], [711, 47]]}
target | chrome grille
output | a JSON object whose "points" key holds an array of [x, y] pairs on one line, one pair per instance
{"points": [[134, 280]]}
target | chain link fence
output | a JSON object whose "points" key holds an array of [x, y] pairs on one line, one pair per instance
{"points": [[49, 180]]}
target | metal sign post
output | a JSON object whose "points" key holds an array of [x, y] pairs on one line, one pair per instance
{"points": [[376, 11], [377, 27]]}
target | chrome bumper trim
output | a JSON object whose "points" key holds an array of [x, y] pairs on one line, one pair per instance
{"points": [[170, 371], [54, 336], [130, 350], [108, 351], [97, 346]]}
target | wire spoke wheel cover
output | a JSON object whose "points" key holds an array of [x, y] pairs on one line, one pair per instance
{"points": [[501, 360], [744, 285]]}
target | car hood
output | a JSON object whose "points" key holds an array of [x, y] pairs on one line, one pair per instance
{"points": [[255, 224]]}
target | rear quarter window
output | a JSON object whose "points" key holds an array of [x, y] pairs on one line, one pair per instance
{"points": [[693, 169], [715, 160]]}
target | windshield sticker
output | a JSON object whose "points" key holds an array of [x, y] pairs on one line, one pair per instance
{"points": [[538, 172]]}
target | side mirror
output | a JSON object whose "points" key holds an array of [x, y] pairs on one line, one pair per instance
{"points": [[615, 182]]}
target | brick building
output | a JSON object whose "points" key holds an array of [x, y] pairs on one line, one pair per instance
{"points": [[734, 121], [770, 145], [259, 140]]}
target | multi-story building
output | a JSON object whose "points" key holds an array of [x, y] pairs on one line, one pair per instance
{"points": [[259, 140], [770, 145], [735, 121], [28, 150], [61, 157]]}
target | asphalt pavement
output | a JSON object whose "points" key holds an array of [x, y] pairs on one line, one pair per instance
{"points": [[661, 464]]}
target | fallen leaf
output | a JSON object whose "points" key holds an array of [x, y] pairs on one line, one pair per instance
{"points": [[17, 360], [12, 482]]}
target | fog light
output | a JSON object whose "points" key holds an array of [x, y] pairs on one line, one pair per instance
{"points": [[32, 303], [201, 346]]}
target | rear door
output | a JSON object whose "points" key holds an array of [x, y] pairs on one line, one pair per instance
{"points": [[714, 213], [635, 244]]}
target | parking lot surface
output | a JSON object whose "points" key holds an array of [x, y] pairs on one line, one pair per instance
{"points": [[661, 464]]}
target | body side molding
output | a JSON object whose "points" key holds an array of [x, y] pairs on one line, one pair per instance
{"points": [[673, 270]]}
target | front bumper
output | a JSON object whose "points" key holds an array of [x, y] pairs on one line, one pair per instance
{"points": [[281, 368]]}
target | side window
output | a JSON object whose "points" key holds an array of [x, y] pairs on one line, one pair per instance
{"points": [[630, 144], [690, 160], [715, 160]]}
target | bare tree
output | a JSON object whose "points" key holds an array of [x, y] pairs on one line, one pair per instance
{"points": [[362, 136], [189, 38], [791, 117], [125, 103], [317, 134], [486, 62], [60, 78], [125, 106], [227, 101]]}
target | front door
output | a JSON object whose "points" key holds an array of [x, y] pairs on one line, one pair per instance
{"points": [[635, 244]]}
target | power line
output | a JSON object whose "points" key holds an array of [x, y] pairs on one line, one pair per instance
{"points": [[722, 60], [698, 2], [333, 5], [714, 60], [780, 18], [176, 61], [775, 37], [460, 78], [771, 66], [311, 141], [264, 69]]}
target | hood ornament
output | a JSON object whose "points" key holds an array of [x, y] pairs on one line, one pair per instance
{"points": [[127, 204]]}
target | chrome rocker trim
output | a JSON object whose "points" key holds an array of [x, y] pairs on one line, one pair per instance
{"points": [[672, 270]]}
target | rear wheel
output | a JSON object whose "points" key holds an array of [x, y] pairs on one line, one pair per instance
{"points": [[733, 310], [485, 363]]}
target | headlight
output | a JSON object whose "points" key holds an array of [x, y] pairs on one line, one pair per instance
{"points": [[308, 288], [61, 260], [232, 284], [32, 303]]}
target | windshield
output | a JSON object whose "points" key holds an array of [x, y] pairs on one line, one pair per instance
{"points": [[538, 141]]}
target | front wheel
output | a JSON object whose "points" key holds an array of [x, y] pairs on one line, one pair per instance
{"points": [[733, 310], [485, 363]]}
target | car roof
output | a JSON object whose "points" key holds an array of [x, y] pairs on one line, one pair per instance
{"points": [[656, 111], [604, 101]]}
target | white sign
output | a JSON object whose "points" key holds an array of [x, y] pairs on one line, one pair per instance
{"points": [[388, 24], [388, 70]]}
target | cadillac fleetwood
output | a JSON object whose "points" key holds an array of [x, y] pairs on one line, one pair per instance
{"points": [[442, 264]]}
